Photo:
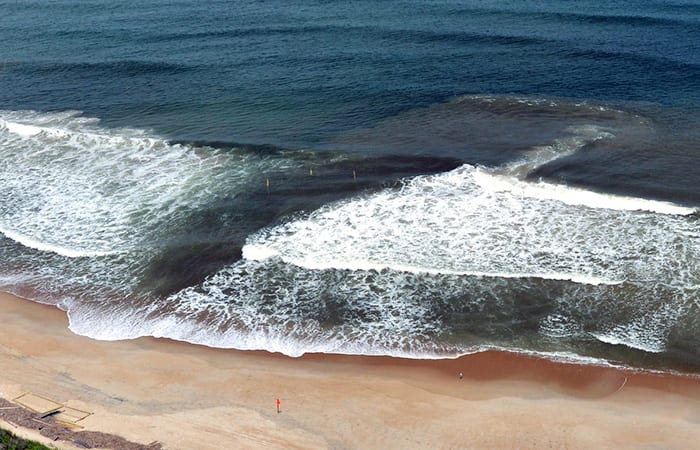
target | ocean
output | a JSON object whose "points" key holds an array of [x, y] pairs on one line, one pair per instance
{"points": [[412, 178]]}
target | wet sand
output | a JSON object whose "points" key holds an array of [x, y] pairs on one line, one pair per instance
{"points": [[186, 396]]}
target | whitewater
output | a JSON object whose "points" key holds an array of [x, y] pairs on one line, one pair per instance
{"points": [[104, 222]]}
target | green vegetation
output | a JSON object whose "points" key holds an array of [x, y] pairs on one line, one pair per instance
{"points": [[9, 441]]}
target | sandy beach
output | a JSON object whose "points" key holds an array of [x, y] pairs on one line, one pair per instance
{"points": [[191, 397]]}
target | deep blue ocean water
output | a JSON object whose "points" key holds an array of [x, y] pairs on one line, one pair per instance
{"points": [[412, 178]]}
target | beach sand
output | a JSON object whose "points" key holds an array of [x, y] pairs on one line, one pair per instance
{"points": [[192, 397]]}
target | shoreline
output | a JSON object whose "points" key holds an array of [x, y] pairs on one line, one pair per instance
{"points": [[191, 396]]}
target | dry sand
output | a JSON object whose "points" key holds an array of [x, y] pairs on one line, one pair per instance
{"points": [[192, 397]]}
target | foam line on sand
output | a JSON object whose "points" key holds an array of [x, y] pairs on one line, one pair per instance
{"points": [[186, 396]]}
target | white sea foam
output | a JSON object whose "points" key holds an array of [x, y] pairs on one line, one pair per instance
{"points": [[77, 189], [255, 252], [451, 224], [294, 338], [621, 336], [275, 308], [491, 222], [38, 245], [564, 357], [21, 129], [510, 178], [647, 332], [559, 325], [80, 190], [574, 196], [258, 252]]}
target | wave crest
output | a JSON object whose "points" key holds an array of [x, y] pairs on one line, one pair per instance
{"points": [[471, 221]]}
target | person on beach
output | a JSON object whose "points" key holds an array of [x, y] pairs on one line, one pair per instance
{"points": [[278, 405]]}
